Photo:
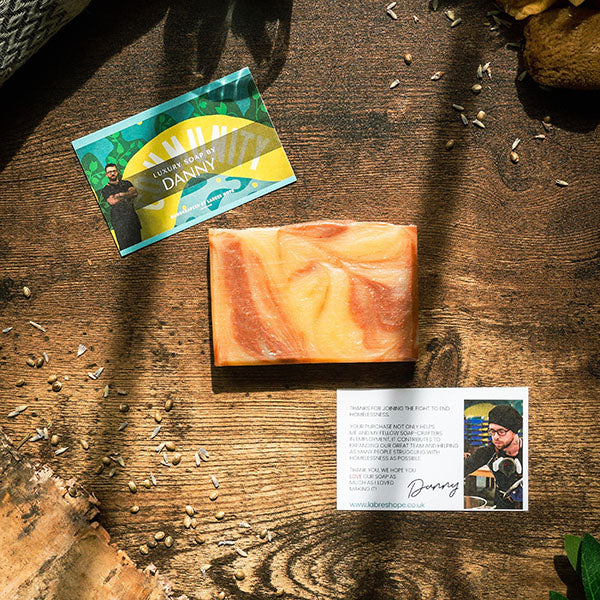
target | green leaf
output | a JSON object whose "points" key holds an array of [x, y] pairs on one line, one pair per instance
{"points": [[201, 107], [163, 122], [222, 108], [233, 109], [122, 150], [557, 596], [93, 169], [572, 548], [590, 567]]}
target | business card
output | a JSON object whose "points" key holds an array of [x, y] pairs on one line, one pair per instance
{"points": [[184, 161], [432, 449]]}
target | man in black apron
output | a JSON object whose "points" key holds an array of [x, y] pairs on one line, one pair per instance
{"points": [[120, 195], [504, 456]]}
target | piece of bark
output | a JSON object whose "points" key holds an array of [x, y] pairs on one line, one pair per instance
{"points": [[328, 291], [51, 548], [562, 49]]}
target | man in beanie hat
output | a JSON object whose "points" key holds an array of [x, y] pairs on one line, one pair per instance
{"points": [[504, 456]]}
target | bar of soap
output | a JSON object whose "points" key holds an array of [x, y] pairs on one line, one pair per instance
{"points": [[327, 291]]}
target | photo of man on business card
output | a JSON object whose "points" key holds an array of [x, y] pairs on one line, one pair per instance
{"points": [[494, 467]]}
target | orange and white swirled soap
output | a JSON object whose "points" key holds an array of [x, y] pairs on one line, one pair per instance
{"points": [[328, 291]]}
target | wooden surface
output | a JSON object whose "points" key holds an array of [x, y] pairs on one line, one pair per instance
{"points": [[508, 276]]}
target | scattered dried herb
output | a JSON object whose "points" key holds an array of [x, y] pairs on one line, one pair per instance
{"points": [[96, 373], [17, 411]]}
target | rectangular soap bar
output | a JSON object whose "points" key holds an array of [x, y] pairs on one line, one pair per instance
{"points": [[328, 291]]}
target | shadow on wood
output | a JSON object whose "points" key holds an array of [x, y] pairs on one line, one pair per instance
{"points": [[264, 25], [541, 102], [326, 376], [569, 577]]}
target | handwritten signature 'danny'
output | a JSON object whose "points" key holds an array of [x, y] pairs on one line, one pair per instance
{"points": [[416, 486]]}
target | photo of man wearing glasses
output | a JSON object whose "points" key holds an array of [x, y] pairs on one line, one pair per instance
{"points": [[120, 194], [504, 456]]}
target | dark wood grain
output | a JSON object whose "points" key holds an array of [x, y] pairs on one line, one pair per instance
{"points": [[508, 277]]}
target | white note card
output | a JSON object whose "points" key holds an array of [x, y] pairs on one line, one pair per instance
{"points": [[432, 449]]}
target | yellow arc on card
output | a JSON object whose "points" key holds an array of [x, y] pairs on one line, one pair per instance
{"points": [[247, 155]]}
